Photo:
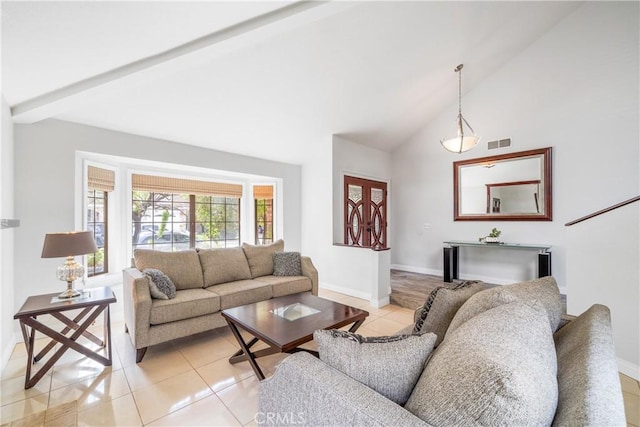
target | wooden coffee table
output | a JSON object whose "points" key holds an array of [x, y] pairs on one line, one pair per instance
{"points": [[276, 323]]}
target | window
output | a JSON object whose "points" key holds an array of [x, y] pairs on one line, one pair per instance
{"points": [[217, 222], [161, 221], [365, 212], [200, 214], [263, 197], [100, 183]]}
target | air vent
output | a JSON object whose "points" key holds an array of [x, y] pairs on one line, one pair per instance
{"points": [[501, 143]]}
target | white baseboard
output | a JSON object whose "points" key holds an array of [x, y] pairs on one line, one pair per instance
{"points": [[629, 369], [346, 291], [380, 303], [357, 294], [412, 269], [422, 270]]}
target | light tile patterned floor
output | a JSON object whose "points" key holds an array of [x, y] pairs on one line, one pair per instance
{"points": [[188, 382]]}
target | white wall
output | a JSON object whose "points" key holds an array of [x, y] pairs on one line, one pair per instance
{"points": [[604, 242], [45, 177], [353, 159], [575, 89], [6, 238], [345, 269]]}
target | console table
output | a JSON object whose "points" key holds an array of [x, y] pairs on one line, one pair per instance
{"points": [[451, 261]]}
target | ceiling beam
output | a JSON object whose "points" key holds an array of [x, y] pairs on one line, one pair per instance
{"points": [[54, 102]]}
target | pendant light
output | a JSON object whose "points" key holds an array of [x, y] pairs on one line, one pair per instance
{"points": [[462, 142]]}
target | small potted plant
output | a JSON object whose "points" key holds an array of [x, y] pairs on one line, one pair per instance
{"points": [[493, 237]]}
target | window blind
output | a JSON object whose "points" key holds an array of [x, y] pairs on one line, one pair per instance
{"points": [[263, 191], [163, 184], [101, 179]]}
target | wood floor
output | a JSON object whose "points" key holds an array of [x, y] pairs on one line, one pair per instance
{"points": [[410, 290]]}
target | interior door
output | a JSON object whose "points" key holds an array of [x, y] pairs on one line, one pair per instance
{"points": [[365, 211]]}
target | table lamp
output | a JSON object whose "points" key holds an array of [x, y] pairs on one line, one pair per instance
{"points": [[68, 245]]}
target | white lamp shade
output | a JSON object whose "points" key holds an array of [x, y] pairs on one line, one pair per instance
{"points": [[460, 144]]}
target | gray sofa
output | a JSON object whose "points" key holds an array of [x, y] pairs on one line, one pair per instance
{"points": [[207, 281], [506, 359]]}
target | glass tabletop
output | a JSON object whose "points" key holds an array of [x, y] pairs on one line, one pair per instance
{"points": [[295, 311], [506, 245]]}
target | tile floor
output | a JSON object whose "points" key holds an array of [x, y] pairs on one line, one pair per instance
{"points": [[188, 382]]}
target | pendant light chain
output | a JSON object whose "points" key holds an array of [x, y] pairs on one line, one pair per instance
{"points": [[459, 70], [461, 142]]}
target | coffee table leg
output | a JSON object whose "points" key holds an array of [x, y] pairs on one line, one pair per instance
{"points": [[239, 355], [246, 351], [356, 325]]}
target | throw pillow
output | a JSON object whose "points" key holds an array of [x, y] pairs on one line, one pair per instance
{"points": [[541, 294], [260, 257], [287, 264], [389, 365], [585, 346], [160, 285], [498, 368], [442, 305]]}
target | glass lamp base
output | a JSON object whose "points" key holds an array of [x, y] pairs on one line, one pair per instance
{"points": [[69, 292]]}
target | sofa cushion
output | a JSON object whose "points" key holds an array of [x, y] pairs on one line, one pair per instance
{"points": [[187, 303], [389, 365], [588, 382], [160, 285], [287, 264], [241, 292], [541, 294], [498, 368], [260, 257], [223, 265], [182, 267], [287, 285], [441, 305]]}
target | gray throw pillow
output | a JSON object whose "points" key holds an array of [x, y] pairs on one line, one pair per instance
{"points": [[497, 369], [442, 305], [540, 294], [160, 285], [287, 264], [389, 365]]}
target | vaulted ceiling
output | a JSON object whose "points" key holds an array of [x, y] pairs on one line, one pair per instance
{"points": [[265, 79]]}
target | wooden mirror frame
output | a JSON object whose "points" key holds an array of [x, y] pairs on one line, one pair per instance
{"points": [[546, 215]]}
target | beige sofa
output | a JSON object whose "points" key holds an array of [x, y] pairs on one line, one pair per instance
{"points": [[207, 281]]}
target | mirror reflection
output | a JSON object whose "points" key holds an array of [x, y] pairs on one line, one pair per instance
{"points": [[515, 186]]}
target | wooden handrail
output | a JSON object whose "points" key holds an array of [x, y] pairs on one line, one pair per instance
{"points": [[600, 212]]}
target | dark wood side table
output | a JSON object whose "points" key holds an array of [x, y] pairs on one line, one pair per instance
{"points": [[92, 302]]}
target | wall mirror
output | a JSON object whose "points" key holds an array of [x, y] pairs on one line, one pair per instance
{"points": [[506, 187]]}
